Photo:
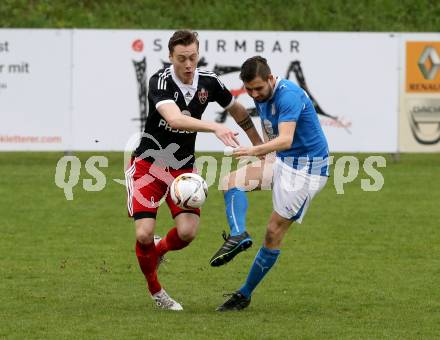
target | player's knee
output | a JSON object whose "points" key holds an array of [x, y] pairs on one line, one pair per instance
{"points": [[144, 233], [228, 182], [270, 236], [273, 235], [187, 229], [144, 237], [188, 233]]}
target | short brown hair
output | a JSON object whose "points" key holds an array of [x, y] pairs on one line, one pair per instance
{"points": [[183, 37], [254, 67]]}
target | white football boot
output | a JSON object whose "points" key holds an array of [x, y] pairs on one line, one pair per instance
{"points": [[164, 301]]}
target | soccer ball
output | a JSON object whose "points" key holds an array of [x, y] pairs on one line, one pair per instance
{"points": [[189, 191]]}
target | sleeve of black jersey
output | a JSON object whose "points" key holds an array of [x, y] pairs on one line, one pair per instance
{"points": [[159, 91], [222, 94]]}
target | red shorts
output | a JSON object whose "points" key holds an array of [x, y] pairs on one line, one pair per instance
{"points": [[147, 186]]}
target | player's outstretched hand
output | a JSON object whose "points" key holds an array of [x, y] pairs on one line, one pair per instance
{"points": [[243, 152], [227, 136]]}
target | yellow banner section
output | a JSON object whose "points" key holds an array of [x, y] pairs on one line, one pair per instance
{"points": [[423, 66]]}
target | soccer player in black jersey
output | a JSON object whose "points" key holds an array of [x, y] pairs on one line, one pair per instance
{"points": [[177, 98]]}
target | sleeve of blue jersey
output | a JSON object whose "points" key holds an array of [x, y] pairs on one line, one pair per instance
{"points": [[289, 107]]}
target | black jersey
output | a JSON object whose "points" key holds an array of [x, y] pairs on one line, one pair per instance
{"points": [[192, 100]]}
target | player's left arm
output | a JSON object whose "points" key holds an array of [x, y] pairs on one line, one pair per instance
{"points": [[225, 99], [241, 116], [289, 107], [283, 141]]}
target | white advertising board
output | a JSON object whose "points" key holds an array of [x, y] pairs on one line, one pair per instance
{"points": [[101, 78], [35, 89], [350, 75]]}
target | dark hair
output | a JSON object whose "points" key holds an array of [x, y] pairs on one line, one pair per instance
{"points": [[254, 67], [183, 37]]}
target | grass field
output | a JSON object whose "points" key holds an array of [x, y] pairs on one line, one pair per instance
{"points": [[363, 265]]}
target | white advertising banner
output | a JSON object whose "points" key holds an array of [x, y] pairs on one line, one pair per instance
{"points": [[35, 89], [86, 89], [353, 76]]}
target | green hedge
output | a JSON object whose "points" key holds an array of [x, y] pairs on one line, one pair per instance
{"points": [[300, 15]]}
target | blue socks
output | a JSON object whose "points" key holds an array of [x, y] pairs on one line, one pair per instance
{"points": [[236, 207], [264, 260]]}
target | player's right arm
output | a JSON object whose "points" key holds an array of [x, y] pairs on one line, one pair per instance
{"points": [[174, 117], [163, 99], [286, 131]]}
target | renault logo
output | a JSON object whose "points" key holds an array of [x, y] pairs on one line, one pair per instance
{"points": [[429, 63]]}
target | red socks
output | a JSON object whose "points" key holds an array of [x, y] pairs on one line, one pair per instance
{"points": [[147, 257], [170, 242]]}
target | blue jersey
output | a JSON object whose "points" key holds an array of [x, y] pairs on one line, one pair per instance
{"points": [[290, 103]]}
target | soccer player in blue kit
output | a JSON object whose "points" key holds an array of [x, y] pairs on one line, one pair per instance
{"points": [[291, 128]]}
